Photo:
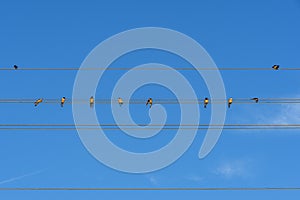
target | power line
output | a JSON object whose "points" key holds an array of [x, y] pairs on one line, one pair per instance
{"points": [[158, 101], [153, 189], [66, 127], [283, 125], [112, 129], [148, 69]]}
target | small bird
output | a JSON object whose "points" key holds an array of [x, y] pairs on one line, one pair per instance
{"points": [[120, 101], [38, 101], [255, 99], [149, 101], [276, 67], [205, 102], [62, 101], [15, 67], [92, 101], [229, 102]]}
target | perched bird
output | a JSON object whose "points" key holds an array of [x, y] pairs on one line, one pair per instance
{"points": [[150, 102], [15, 67], [120, 101], [205, 102], [62, 101], [276, 67], [229, 102], [92, 101], [37, 102], [255, 99]]}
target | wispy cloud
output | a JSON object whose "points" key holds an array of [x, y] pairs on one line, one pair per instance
{"points": [[21, 177], [273, 114], [231, 169], [153, 180], [194, 178], [288, 114]]}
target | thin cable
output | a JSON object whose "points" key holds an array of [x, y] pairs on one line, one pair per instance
{"points": [[164, 128], [160, 101], [149, 125], [149, 69], [154, 189], [116, 129]]}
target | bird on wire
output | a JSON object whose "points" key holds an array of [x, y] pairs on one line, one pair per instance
{"points": [[120, 101], [62, 101], [255, 99], [275, 67], [92, 101], [38, 101], [206, 101], [150, 102], [230, 100]]}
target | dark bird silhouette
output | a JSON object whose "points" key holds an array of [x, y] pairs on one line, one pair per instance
{"points": [[255, 99], [16, 67]]}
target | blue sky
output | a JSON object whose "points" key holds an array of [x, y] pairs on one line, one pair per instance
{"points": [[235, 34]]}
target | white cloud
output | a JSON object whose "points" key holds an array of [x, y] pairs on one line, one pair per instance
{"points": [[231, 169]]}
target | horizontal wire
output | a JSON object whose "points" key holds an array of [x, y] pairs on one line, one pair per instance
{"points": [[167, 103], [161, 101], [171, 99], [153, 189], [149, 124], [66, 127], [220, 128], [148, 69]]}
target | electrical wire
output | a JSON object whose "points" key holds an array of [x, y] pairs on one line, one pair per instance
{"points": [[112, 129], [158, 101], [144, 68], [201, 125], [152, 189], [68, 127]]}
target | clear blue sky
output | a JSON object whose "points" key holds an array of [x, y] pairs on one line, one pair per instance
{"points": [[235, 34]]}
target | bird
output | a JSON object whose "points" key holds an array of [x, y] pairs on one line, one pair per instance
{"points": [[205, 102], [255, 99], [120, 101], [15, 67], [230, 102], [62, 101], [149, 101], [92, 101], [276, 67], [38, 101]]}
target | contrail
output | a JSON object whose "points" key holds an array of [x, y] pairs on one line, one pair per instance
{"points": [[21, 177]]}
